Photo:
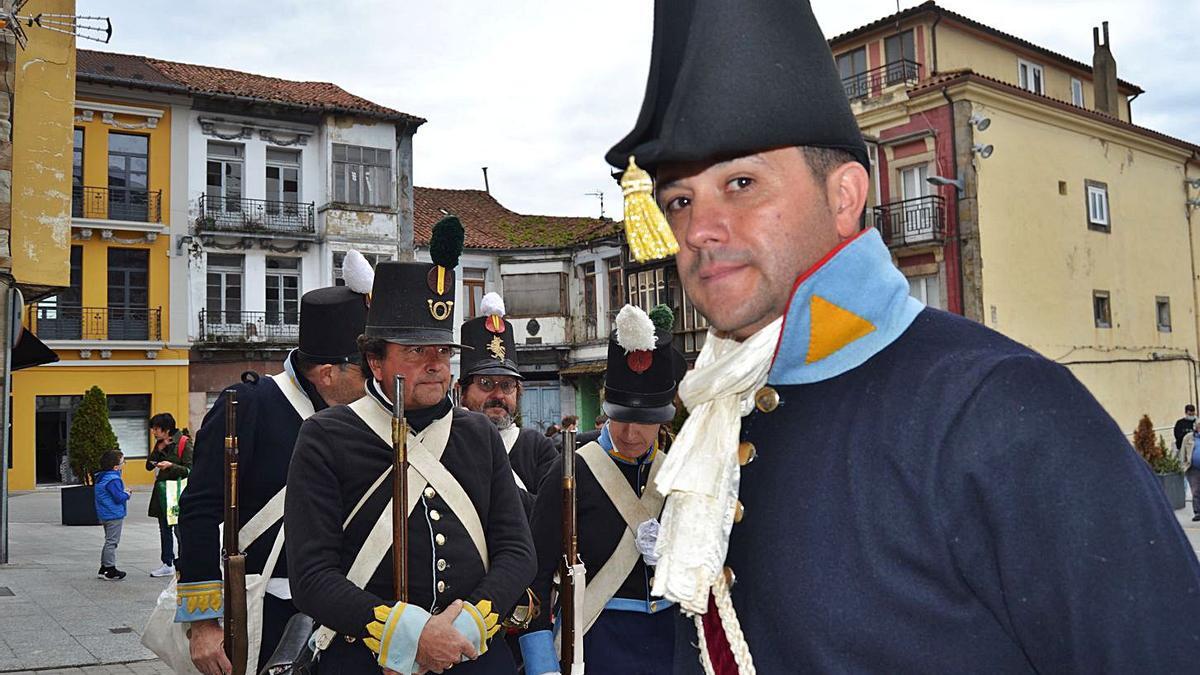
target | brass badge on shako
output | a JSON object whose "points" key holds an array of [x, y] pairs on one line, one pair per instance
{"points": [[496, 348], [445, 247]]}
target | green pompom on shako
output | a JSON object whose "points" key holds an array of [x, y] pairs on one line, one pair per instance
{"points": [[446, 243], [663, 318]]}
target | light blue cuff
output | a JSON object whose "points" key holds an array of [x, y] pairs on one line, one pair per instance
{"points": [[537, 649], [398, 648], [470, 623], [198, 601]]}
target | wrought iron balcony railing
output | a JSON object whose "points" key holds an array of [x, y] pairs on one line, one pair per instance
{"points": [[239, 327], [110, 203], [254, 216], [52, 321], [913, 221], [871, 82]]}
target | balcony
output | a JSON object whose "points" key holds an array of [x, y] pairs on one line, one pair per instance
{"points": [[238, 215], [51, 321], [278, 328], [913, 221], [110, 203], [872, 82]]}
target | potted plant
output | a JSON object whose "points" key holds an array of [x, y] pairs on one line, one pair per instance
{"points": [[91, 435], [1162, 460]]}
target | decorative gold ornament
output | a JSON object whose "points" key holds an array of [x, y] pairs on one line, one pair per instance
{"points": [[496, 347], [646, 229], [441, 310]]}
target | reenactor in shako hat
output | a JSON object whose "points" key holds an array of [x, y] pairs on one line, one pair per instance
{"points": [[928, 496], [491, 384], [469, 558], [323, 371], [627, 629]]}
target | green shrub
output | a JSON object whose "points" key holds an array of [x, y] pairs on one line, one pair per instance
{"points": [[91, 435]]}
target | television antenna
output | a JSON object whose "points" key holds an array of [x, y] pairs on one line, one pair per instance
{"points": [[94, 28], [600, 194]]}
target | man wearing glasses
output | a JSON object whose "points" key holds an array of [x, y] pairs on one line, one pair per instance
{"points": [[491, 384], [470, 555]]}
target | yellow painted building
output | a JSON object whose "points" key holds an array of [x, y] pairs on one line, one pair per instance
{"points": [[1050, 216], [109, 321]]}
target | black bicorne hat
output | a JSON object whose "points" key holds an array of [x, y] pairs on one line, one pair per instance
{"points": [[412, 303], [490, 337], [644, 370], [331, 319], [728, 79]]}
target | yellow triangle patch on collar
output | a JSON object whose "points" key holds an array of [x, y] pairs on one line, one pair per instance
{"points": [[831, 328]]}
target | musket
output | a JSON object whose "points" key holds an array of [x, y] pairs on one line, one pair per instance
{"points": [[234, 561], [399, 493], [571, 575]]}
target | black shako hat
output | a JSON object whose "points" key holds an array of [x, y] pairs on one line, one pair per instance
{"points": [[728, 79], [644, 369], [331, 319], [490, 337], [412, 303]]}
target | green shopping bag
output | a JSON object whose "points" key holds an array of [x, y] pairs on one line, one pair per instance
{"points": [[172, 490]]}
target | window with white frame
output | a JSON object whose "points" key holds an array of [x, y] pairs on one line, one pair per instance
{"points": [[541, 294], [224, 289], [225, 170], [1031, 76], [362, 175], [1076, 92], [283, 180], [339, 259], [283, 291], [914, 182], [647, 288], [1097, 206], [926, 288]]}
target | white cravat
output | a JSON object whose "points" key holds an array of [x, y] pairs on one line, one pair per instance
{"points": [[700, 474]]}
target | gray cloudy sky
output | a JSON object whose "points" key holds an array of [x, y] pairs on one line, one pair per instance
{"points": [[537, 90]]}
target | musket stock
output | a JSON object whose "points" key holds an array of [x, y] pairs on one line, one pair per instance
{"points": [[234, 561], [571, 572]]}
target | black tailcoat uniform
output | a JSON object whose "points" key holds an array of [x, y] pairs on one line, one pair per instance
{"points": [[267, 425], [632, 642], [531, 457], [336, 460]]}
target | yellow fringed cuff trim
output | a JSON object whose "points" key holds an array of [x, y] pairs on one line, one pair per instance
{"points": [[199, 601]]}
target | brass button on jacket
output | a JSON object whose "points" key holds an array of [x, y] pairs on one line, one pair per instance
{"points": [[746, 453], [766, 399]]}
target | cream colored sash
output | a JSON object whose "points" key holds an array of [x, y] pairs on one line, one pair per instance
{"points": [[510, 436], [294, 394], [634, 511]]}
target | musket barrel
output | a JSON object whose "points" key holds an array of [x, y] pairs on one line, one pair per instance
{"points": [[399, 492], [570, 538]]}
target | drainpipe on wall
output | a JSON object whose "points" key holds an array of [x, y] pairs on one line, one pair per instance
{"points": [[1188, 211], [933, 43], [962, 295]]}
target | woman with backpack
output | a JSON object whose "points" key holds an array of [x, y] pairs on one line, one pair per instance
{"points": [[170, 460]]}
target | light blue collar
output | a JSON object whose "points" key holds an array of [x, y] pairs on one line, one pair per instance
{"points": [[844, 310], [606, 442]]}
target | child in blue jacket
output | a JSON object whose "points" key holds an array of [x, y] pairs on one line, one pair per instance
{"points": [[111, 496]]}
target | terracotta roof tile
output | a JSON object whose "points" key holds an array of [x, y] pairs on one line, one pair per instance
{"points": [[222, 82], [110, 67], [490, 225]]}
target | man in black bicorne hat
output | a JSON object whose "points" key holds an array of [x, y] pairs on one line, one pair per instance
{"points": [[469, 555], [491, 384], [934, 533], [323, 371], [627, 628]]}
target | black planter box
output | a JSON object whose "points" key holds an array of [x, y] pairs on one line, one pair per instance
{"points": [[1173, 485], [79, 505]]}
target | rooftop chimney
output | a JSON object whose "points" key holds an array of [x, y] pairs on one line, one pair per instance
{"points": [[1104, 75]]}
